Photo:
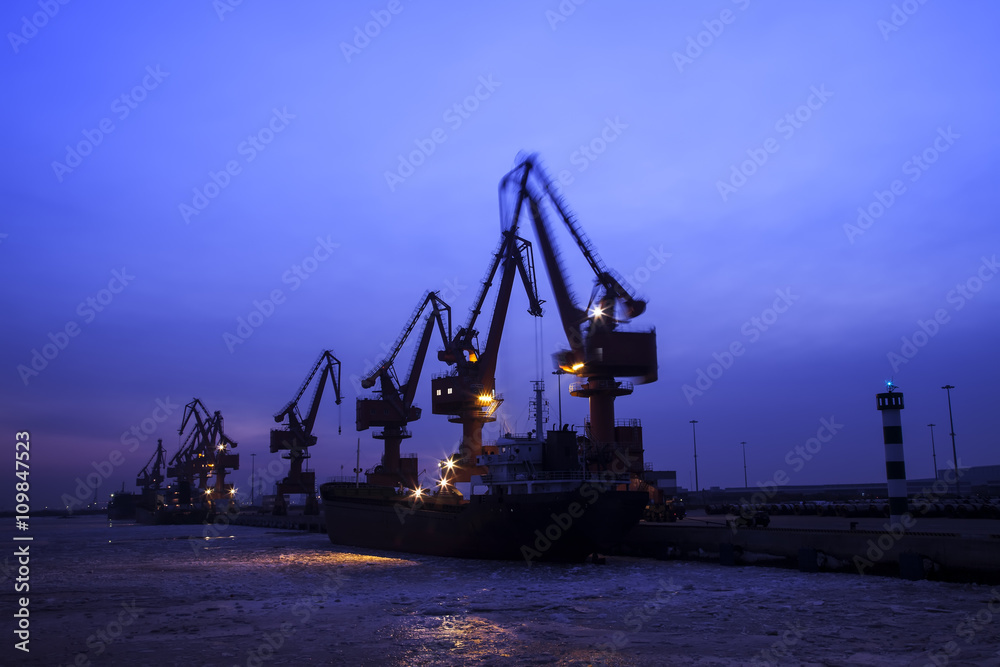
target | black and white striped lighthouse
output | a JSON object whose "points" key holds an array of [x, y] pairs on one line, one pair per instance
{"points": [[889, 404]]}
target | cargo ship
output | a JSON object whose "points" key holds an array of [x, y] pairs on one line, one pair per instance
{"points": [[122, 505], [536, 502]]}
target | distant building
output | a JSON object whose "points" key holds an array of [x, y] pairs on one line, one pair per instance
{"points": [[975, 480], [664, 480]]}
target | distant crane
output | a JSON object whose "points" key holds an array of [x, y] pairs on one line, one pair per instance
{"points": [[468, 393], [393, 408], [296, 436], [598, 350], [151, 476], [203, 454]]}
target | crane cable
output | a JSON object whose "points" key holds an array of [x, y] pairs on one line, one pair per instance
{"points": [[538, 347]]}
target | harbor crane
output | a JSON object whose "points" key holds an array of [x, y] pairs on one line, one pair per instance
{"points": [[392, 408], [295, 436], [468, 392], [203, 454], [151, 476], [598, 350]]}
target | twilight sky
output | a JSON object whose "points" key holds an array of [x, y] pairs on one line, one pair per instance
{"points": [[808, 184]]}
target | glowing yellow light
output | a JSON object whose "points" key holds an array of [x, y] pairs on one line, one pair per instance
{"points": [[597, 311], [208, 492], [485, 399], [232, 491], [577, 366], [221, 447], [417, 492], [449, 464]]}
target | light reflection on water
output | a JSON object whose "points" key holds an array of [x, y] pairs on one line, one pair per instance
{"points": [[343, 559], [451, 638], [230, 594]]}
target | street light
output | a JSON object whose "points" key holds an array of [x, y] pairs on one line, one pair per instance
{"points": [[954, 454], [694, 439], [933, 451], [253, 471], [745, 484]]}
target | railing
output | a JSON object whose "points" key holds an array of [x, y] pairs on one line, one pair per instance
{"points": [[565, 475], [516, 436], [624, 385]]}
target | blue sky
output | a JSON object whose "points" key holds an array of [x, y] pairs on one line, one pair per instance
{"points": [[730, 145]]}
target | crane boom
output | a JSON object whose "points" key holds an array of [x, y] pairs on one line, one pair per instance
{"points": [[468, 394], [151, 475], [386, 363], [393, 407], [330, 366], [598, 350], [296, 436]]}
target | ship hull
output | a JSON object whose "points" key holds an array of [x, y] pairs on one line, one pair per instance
{"points": [[122, 506], [170, 516], [552, 526]]}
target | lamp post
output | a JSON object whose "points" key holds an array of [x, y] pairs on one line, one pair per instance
{"points": [[954, 454], [357, 466], [746, 485], [933, 451], [694, 439], [253, 471]]}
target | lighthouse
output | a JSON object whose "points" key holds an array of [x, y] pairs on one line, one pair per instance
{"points": [[890, 402]]}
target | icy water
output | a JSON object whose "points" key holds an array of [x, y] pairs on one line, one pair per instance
{"points": [[134, 595]]}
